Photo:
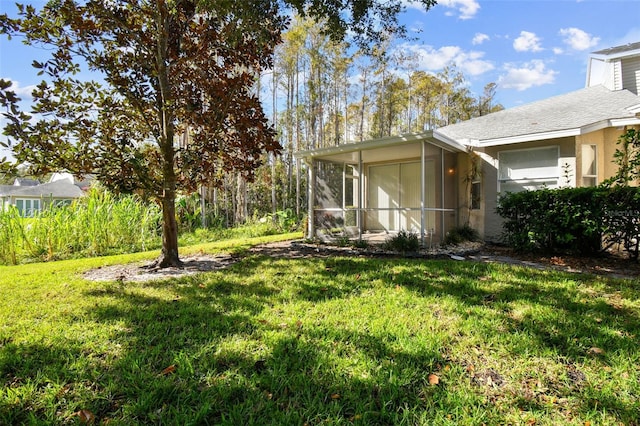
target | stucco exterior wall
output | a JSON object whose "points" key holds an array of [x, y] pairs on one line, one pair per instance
{"points": [[597, 138], [474, 218], [486, 220], [606, 141]]}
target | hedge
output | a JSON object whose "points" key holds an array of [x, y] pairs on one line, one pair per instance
{"points": [[578, 220]]}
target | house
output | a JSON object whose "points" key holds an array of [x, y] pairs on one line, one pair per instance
{"points": [[29, 197], [434, 181]]}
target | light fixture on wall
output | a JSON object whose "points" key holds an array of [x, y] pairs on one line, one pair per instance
{"points": [[451, 170]]}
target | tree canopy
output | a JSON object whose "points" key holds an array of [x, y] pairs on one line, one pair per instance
{"points": [[172, 104]]}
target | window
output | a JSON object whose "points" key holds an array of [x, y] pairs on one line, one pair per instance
{"points": [[27, 207], [476, 191], [589, 165], [528, 169]]}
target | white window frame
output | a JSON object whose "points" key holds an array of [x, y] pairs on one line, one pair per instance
{"points": [[32, 209], [534, 182], [590, 179]]}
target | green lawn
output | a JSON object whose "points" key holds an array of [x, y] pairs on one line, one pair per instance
{"points": [[319, 341]]}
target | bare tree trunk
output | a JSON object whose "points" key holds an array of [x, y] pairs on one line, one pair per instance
{"points": [[297, 103], [274, 205], [241, 200], [203, 205], [214, 201]]}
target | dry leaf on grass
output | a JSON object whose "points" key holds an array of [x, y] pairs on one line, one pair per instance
{"points": [[86, 417], [433, 379], [595, 351], [169, 370]]}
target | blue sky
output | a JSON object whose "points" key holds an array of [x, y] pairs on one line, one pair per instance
{"points": [[531, 49]]}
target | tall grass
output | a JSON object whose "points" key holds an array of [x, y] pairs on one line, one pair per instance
{"points": [[98, 224]]}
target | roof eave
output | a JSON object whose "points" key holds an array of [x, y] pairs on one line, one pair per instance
{"points": [[612, 57], [430, 136], [527, 138], [614, 122]]}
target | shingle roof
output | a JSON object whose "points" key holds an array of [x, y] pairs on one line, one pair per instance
{"points": [[26, 182], [5, 189], [618, 49], [57, 189], [575, 110]]}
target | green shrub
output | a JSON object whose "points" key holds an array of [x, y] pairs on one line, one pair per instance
{"points": [[461, 234], [579, 220], [342, 240], [361, 244], [403, 242]]}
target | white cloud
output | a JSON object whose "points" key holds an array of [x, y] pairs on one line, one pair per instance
{"points": [[467, 9], [469, 62], [527, 42], [558, 50], [19, 90], [479, 38], [578, 39], [529, 75]]}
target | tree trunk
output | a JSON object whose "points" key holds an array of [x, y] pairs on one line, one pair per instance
{"points": [[169, 254]]}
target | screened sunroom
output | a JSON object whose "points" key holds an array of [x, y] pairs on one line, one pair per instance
{"points": [[379, 187]]}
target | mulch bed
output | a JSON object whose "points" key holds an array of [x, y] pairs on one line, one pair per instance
{"points": [[611, 265]]}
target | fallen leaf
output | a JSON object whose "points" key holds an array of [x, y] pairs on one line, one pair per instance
{"points": [[202, 286], [335, 396], [595, 351], [64, 390], [86, 416], [169, 370], [358, 277], [433, 379]]}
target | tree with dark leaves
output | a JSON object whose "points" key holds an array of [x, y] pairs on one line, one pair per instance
{"points": [[174, 104]]}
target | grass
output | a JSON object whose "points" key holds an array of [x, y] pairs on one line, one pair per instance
{"points": [[319, 341]]}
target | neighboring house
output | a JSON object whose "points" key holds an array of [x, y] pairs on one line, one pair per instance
{"points": [[25, 182], [426, 182], [30, 198]]}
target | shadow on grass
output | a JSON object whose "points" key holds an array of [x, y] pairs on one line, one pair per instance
{"points": [[219, 349]]}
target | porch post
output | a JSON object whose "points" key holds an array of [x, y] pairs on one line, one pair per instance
{"points": [[423, 176], [442, 177], [311, 222], [343, 202], [360, 195]]}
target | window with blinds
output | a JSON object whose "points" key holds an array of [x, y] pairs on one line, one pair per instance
{"points": [[528, 169]]}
